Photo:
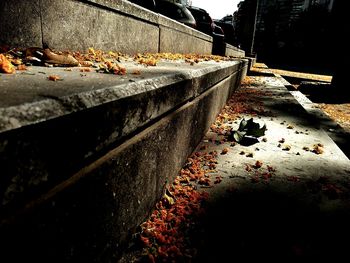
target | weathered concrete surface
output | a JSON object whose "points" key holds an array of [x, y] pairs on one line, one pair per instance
{"points": [[176, 37], [20, 23], [102, 24], [28, 97], [175, 41], [334, 131], [127, 8], [73, 25], [87, 216], [251, 62], [84, 115], [300, 210], [170, 23], [233, 51]]}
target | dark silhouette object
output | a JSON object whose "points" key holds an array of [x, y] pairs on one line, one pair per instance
{"points": [[229, 31], [204, 22], [341, 43], [293, 35], [149, 4], [173, 10], [176, 11], [206, 25], [246, 18]]}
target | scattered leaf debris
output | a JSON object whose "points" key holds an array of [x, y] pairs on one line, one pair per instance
{"points": [[5, 65], [54, 78], [224, 151], [258, 164], [286, 147], [250, 155], [318, 148]]}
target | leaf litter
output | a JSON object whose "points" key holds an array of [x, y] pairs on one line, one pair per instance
{"points": [[200, 171]]}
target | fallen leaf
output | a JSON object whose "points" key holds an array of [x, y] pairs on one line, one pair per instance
{"points": [[318, 148], [224, 151], [218, 179], [270, 168], [6, 66], [54, 77], [22, 67], [85, 69], [258, 164], [248, 128], [59, 59], [286, 147]]}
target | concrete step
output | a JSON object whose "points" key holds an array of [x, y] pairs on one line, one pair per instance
{"points": [[84, 159], [296, 210], [276, 198], [104, 24]]}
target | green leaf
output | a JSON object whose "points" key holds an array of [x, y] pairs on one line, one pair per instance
{"points": [[248, 128], [242, 125], [256, 131], [238, 136]]}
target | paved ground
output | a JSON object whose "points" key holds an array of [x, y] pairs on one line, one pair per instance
{"points": [[283, 197], [318, 89], [298, 208], [262, 68]]}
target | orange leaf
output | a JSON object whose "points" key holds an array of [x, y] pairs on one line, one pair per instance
{"points": [[54, 77], [6, 66]]}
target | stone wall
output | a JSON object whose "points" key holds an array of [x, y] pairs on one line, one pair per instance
{"points": [[101, 24]]}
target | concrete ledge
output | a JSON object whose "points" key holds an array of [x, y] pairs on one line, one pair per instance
{"points": [[176, 37], [30, 98], [20, 23], [77, 26], [233, 51], [251, 61], [41, 119], [126, 8], [84, 159], [102, 24], [91, 214], [334, 131], [174, 41]]}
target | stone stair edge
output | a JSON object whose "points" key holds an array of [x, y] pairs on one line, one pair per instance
{"points": [[52, 106]]}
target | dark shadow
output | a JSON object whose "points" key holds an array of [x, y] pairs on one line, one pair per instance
{"points": [[264, 74], [248, 141], [300, 80], [323, 93], [290, 87], [301, 65], [269, 226]]}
